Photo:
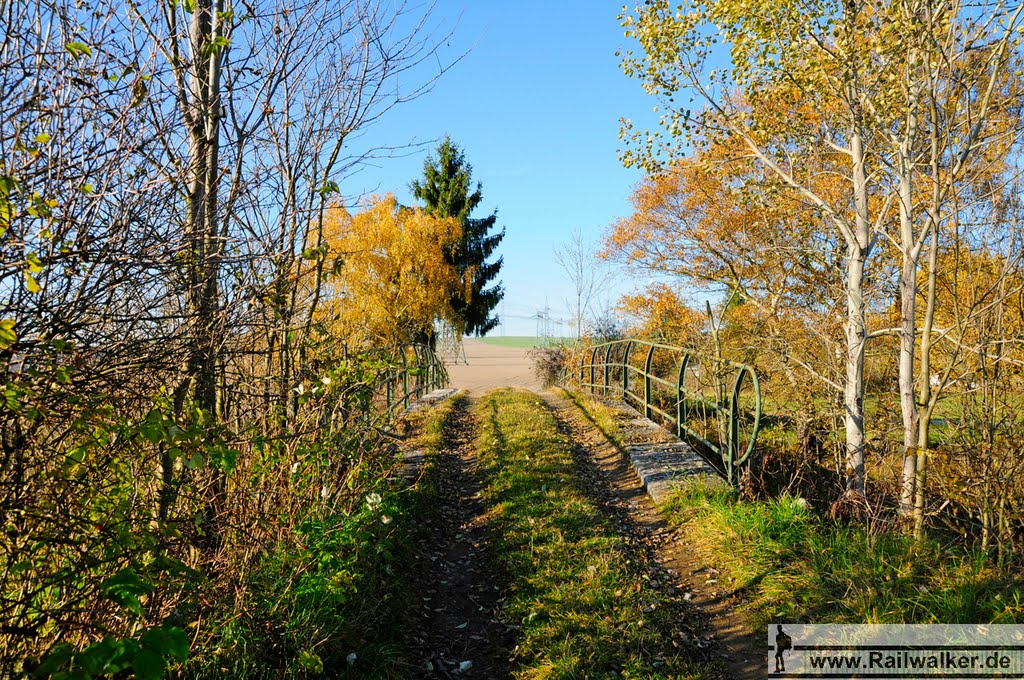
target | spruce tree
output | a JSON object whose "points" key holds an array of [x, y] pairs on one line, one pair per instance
{"points": [[447, 191]]}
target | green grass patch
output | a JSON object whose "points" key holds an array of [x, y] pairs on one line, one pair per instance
{"points": [[601, 416], [331, 599], [524, 341], [582, 606], [433, 428], [795, 566]]}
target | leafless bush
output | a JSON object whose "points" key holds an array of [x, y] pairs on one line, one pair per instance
{"points": [[171, 406], [548, 363]]}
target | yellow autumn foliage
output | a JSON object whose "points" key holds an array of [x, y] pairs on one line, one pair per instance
{"points": [[392, 278], [660, 313]]}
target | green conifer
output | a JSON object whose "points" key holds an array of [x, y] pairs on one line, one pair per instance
{"points": [[447, 191]]}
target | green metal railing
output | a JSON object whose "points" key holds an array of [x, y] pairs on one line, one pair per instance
{"points": [[714, 402], [416, 371]]}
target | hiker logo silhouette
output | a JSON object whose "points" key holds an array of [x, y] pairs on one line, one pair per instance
{"points": [[783, 643]]}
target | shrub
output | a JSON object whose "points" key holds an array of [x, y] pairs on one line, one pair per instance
{"points": [[548, 363]]}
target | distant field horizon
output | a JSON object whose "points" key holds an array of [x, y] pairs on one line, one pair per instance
{"points": [[524, 341]]}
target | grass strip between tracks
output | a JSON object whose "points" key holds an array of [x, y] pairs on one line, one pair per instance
{"points": [[581, 602]]}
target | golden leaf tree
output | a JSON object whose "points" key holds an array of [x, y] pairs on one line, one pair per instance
{"points": [[391, 278], [867, 96], [660, 313]]}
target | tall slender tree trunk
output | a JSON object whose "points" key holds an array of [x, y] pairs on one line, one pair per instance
{"points": [[908, 404], [202, 227], [908, 337], [202, 117], [857, 252], [856, 340], [925, 398], [910, 251]]}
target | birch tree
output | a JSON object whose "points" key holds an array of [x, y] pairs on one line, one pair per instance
{"points": [[588, 275], [816, 56], [951, 122], [864, 72]]}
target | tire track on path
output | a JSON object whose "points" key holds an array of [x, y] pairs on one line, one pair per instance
{"points": [[613, 484], [455, 632]]}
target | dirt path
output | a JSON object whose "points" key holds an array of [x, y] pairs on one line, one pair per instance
{"points": [[684, 581], [455, 633]]}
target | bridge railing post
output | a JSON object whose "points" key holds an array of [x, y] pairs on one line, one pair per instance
{"points": [[418, 368], [625, 368], [732, 432], [607, 368], [681, 412], [428, 365], [647, 382], [405, 379]]}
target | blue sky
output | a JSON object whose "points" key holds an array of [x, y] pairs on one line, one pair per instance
{"points": [[535, 104]]}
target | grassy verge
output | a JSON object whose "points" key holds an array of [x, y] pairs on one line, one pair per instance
{"points": [[792, 565], [332, 597], [327, 596], [601, 416], [583, 608], [433, 426]]}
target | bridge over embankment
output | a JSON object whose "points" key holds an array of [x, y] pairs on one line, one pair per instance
{"points": [[626, 490]]}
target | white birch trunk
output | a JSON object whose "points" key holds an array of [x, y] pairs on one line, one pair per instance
{"points": [[910, 250], [857, 253]]}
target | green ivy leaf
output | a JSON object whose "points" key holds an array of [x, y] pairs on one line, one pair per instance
{"points": [[147, 656], [225, 458], [78, 49], [125, 588], [148, 665], [169, 642], [196, 461], [76, 455], [152, 428], [107, 656]]}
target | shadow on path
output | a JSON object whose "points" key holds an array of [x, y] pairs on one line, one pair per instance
{"points": [[686, 584], [454, 631]]}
